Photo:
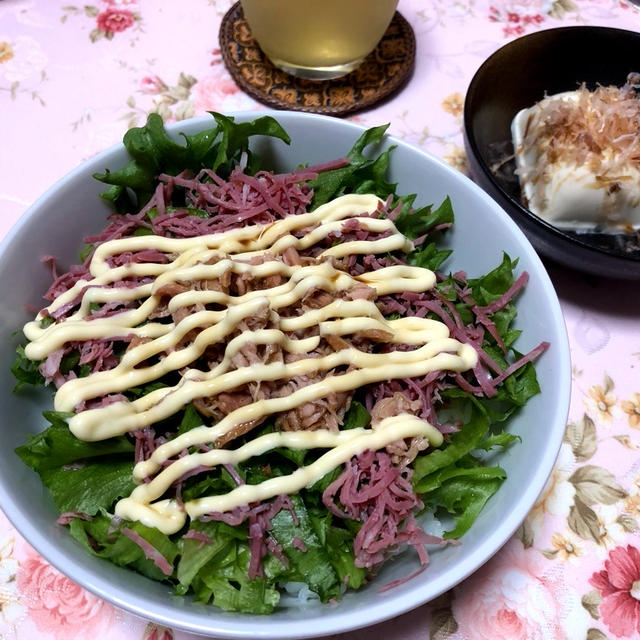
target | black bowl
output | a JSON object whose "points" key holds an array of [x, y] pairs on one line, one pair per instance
{"points": [[516, 77]]}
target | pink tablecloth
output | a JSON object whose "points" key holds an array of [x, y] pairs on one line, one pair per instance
{"points": [[73, 78]]}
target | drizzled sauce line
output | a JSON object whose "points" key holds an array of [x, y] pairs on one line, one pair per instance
{"points": [[168, 350]]}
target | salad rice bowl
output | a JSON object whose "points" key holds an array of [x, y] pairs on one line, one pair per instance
{"points": [[298, 371]]}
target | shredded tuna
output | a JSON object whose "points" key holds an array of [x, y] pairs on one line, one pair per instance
{"points": [[374, 488], [402, 452]]}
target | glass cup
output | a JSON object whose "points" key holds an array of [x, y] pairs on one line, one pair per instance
{"points": [[318, 39]]}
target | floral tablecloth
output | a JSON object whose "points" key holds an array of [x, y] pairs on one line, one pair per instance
{"points": [[73, 78]]}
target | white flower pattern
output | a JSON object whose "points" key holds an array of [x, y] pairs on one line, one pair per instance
{"points": [[24, 59], [10, 607], [557, 496]]}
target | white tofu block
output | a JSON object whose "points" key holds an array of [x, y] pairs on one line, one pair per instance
{"points": [[568, 195]]}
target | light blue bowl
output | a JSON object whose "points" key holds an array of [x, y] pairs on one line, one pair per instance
{"points": [[71, 209]]}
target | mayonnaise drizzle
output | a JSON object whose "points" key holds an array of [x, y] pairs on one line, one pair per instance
{"points": [[168, 350], [167, 516]]}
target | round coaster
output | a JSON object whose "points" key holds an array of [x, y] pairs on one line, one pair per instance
{"points": [[382, 73]]}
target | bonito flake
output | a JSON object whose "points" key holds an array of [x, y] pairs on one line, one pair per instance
{"points": [[578, 158]]}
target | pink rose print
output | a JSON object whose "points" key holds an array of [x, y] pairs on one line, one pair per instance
{"points": [[111, 17], [57, 605], [113, 20], [210, 92], [619, 586], [152, 84], [507, 600], [515, 22]]}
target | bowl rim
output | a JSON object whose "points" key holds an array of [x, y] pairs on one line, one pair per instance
{"points": [[246, 626], [470, 138]]}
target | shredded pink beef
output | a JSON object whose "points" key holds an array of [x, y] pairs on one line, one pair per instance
{"points": [[374, 491], [96, 353], [133, 257], [487, 374], [52, 263], [68, 516], [145, 443], [233, 472], [375, 487], [203, 538], [299, 544], [120, 226], [150, 552], [241, 199], [259, 516], [49, 369], [65, 281]]}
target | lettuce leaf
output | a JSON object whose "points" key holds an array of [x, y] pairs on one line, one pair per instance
{"points": [[153, 151], [415, 223], [453, 478], [460, 444], [81, 476], [364, 174], [457, 479], [491, 286], [25, 371], [225, 583], [56, 446], [428, 256], [194, 555], [464, 497], [217, 571], [91, 487], [312, 566], [356, 416], [101, 538]]}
